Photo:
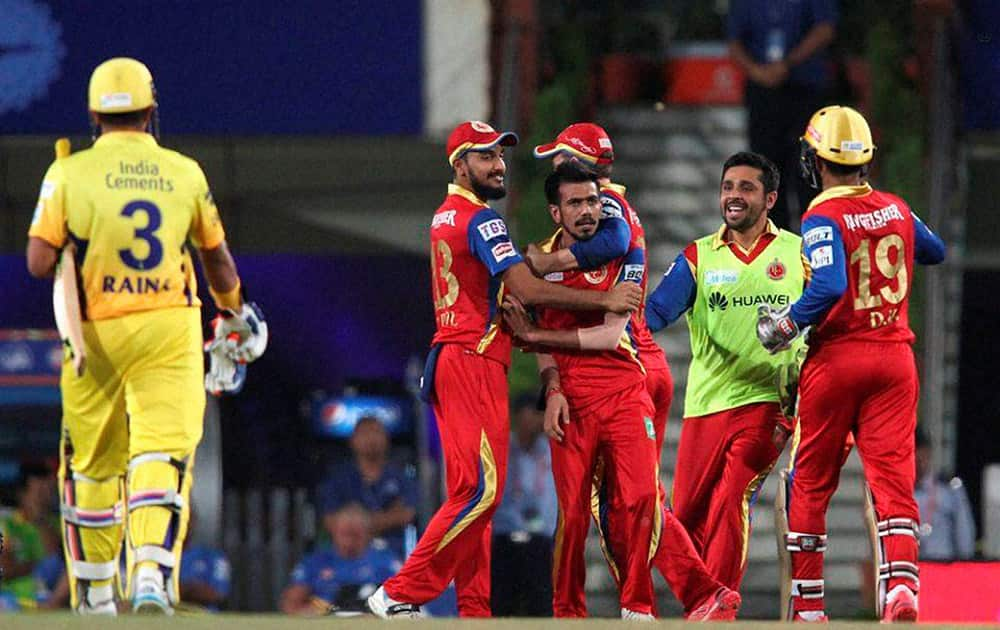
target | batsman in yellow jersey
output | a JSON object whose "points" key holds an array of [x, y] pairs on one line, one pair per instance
{"points": [[134, 212]]}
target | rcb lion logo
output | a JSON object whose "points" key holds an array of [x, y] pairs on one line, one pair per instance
{"points": [[597, 276], [776, 270]]}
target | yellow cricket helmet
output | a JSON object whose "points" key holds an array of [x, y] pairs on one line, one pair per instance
{"points": [[121, 85], [837, 134]]}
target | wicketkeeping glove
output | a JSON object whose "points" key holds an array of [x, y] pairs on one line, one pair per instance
{"points": [[775, 329], [249, 325], [225, 376]]}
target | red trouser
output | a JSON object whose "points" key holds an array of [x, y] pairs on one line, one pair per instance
{"points": [[472, 416], [870, 389], [676, 558], [614, 429], [722, 461]]}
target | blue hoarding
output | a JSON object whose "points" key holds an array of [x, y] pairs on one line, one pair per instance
{"points": [[244, 67]]}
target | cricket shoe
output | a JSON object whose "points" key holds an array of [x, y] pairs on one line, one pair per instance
{"points": [[900, 605], [631, 615], [385, 607], [720, 606], [810, 616], [150, 598], [99, 600]]}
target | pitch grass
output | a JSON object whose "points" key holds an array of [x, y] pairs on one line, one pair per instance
{"points": [[231, 621]]}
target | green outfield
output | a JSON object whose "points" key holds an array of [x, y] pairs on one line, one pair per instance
{"points": [[262, 622]]}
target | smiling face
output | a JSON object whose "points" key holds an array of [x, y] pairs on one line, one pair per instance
{"points": [[484, 172], [579, 209], [742, 198]]}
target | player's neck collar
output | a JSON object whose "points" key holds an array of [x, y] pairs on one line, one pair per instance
{"points": [[455, 189], [841, 191]]}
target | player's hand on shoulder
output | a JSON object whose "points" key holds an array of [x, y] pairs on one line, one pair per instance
{"points": [[250, 327], [536, 260], [775, 329], [625, 297]]}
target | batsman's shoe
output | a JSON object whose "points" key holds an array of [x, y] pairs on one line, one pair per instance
{"points": [[150, 597], [631, 615], [811, 616], [99, 600], [719, 606], [385, 607], [900, 606]]}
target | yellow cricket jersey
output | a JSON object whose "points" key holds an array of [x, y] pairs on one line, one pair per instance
{"points": [[130, 206]]}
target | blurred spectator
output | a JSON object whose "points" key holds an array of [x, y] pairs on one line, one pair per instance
{"points": [[782, 47], [51, 585], [25, 533], [525, 521], [343, 575], [206, 578], [371, 480], [947, 530]]}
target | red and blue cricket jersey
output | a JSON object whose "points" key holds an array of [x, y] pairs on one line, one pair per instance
{"points": [[588, 375], [861, 244], [613, 203], [470, 250]]}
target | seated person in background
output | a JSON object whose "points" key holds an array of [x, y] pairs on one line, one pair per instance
{"points": [[24, 533], [51, 585], [525, 521], [371, 480], [205, 576], [343, 575], [947, 530]]}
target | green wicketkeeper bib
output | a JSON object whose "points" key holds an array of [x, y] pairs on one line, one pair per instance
{"points": [[729, 368]]}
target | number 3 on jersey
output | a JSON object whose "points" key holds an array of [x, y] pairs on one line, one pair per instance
{"points": [[146, 233], [888, 270], [441, 262]]}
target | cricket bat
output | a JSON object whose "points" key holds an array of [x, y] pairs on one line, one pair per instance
{"points": [[65, 293]]}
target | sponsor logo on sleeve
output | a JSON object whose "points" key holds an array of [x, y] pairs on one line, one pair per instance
{"points": [[492, 229], [821, 257], [818, 235], [37, 216], [610, 208], [48, 189], [503, 250], [632, 273], [443, 218], [720, 276]]}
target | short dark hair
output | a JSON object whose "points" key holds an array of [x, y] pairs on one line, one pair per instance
{"points": [[843, 170], [569, 172], [124, 119], [769, 174]]}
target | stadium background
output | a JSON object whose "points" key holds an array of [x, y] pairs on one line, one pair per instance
{"points": [[320, 126]]}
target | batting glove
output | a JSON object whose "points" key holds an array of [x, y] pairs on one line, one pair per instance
{"points": [[775, 329], [225, 376], [249, 326]]}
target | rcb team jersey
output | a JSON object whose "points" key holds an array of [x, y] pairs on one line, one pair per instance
{"points": [[131, 207], [871, 236], [470, 251], [589, 375], [614, 203]]}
